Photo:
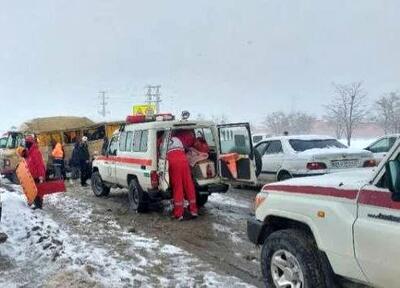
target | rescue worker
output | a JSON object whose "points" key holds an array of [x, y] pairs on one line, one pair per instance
{"points": [[181, 179], [58, 159], [36, 166], [74, 161], [84, 161]]}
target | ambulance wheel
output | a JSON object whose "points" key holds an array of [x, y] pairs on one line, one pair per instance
{"points": [[201, 200], [98, 186], [137, 198]]}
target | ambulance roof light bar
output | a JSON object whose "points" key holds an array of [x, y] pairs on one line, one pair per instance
{"points": [[140, 118]]}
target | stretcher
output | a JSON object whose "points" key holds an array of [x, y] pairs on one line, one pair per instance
{"points": [[32, 189]]}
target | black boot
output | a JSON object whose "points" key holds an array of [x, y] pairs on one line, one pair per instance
{"points": [[38, 202]]}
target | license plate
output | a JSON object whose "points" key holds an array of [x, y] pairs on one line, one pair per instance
{"points": [[341, 164]]}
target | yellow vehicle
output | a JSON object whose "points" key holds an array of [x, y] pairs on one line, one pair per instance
{"points": [[65, 130], [8, 157]]}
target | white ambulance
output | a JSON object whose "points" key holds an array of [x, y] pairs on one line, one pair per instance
{"points": [[136, 159]]}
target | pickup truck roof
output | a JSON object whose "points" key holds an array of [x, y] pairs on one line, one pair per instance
{"points": [[300, 137]]}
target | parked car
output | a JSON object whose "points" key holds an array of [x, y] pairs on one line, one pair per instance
{"points": [[135, 161], [382, 146], [285, 157], [345, 224], [257, 137]]}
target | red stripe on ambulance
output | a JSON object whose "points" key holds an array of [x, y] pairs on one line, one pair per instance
{"points": [[127, 160], [367, 197], [313, 190]]}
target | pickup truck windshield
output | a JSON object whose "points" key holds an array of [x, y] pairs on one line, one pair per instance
{"points": [[303, 145], [13, 141], [3, 142]]}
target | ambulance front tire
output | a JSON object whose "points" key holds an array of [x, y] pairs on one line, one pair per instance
{"points": [[98, 186], [137, 198]]}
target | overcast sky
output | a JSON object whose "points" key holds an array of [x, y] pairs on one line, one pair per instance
{"points": [[241, 58]]}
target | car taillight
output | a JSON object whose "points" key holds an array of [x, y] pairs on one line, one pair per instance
{"points": [[370, 163], [154, 179], [316, 166]]}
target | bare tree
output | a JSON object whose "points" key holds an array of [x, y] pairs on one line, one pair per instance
{"points": [[333, 117], [348, 107], [388, 112], [294, 123]]}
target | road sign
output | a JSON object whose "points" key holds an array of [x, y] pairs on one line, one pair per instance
{"points": [[145, 109]]}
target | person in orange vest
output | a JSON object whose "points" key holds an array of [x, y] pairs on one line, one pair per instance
{"points": [[181, 179], [58, 159]]}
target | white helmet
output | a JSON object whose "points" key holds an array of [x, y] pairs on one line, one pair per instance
{"points": [[84, 139]]}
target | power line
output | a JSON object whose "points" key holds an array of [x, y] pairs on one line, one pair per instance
{"points": [[103, 104]]}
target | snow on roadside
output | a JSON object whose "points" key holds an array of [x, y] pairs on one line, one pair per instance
{"points": [[224, 199], [103, 253]]}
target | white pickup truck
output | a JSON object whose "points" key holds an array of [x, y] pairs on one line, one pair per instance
{"points": [[313, 230]]}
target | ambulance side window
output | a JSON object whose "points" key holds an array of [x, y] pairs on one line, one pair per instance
{"points": [[136, 141], [112, 149], [122, 141], [129, 141], [143, 141]]}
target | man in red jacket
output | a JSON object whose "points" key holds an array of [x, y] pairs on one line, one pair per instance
{"points": [[181, 179], [36, 166]]}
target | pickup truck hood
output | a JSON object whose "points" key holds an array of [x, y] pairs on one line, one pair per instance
{"points": [[352, 179], [335, 154]]}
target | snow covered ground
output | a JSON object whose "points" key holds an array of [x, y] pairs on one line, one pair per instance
{"points": [[47, 249]]}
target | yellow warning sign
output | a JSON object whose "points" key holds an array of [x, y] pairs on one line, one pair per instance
{"points": [[144, 109]]}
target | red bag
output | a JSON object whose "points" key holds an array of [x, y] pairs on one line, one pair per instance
{"points": [[50, 187]]}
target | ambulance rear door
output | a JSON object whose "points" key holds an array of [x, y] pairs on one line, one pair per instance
{"points": [[236, 159], [162, 159]]}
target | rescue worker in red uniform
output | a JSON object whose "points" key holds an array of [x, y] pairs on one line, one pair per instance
{"points": [[181, 179], [36, 166]]}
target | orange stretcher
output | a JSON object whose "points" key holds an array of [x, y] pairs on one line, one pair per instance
{"points": [[32, 189], [231, 161]]}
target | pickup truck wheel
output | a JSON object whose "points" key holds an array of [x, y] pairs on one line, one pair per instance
{"points": [[137, 198], [98, 186], [13, 178], [289, 258]]}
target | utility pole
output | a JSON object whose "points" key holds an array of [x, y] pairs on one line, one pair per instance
{"points": [[153, 96], [103, 104]]}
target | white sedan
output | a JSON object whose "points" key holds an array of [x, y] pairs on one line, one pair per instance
{"points": [[382, 146], [285, 157]]}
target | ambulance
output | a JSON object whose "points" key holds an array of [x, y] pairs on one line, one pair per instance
{"points": [[136, 159]]}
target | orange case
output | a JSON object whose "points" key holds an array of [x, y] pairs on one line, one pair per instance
{"points": [[27, 182]]}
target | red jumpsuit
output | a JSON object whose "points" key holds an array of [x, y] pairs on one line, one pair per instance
{"points": [[35, 163], [180, 179]]}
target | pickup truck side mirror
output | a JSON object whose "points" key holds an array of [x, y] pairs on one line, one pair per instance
{"points": [[393, 178]]}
